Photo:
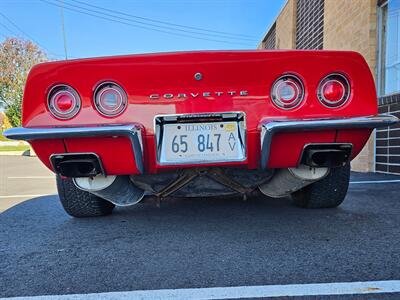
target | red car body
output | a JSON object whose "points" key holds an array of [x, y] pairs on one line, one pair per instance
{"points": [[223, 71], [230, 81]]}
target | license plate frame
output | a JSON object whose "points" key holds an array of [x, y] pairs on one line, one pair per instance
{"points": [[164, 123]]}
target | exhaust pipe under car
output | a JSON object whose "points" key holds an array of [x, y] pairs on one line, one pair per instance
{"points": [[119, 190], [88, 174], [316, 161], [287, 181]]}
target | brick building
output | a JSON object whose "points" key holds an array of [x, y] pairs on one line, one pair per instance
{"points": [[371, 27]]}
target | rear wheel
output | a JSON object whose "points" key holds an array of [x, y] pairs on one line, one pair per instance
{"points": [[78, 203], [326, 193]]}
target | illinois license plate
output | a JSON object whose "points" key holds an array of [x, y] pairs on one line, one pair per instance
{"points": [[201, 143]]}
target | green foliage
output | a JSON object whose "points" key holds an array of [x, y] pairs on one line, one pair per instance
{"points": [[6, 122], [17, 57], [13, 113]]}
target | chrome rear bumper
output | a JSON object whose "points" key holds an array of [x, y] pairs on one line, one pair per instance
{"points": [[270, 127], [133, 132]]}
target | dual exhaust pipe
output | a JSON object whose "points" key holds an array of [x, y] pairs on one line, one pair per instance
{"points": [[88, 174], [316, 161], [75, 165]]}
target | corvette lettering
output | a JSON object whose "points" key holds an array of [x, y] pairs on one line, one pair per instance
{"points": [[196, 95]]}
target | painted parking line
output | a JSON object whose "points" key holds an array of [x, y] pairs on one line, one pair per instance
{"points": [[23, 196], [375, 181], [31, 177], [290, 290]]}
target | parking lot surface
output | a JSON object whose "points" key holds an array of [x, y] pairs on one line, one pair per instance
{"points": [[23, 178], [198, 243]]}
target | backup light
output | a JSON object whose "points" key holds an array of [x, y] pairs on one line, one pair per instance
{"points": [[110, 99], [287, 92]]}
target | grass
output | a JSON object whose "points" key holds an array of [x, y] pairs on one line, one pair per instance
{"points": [[2, 137], [22, 147], [14, 148]]}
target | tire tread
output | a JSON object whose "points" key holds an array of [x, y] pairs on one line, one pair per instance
{"points": [[78, 203], [328, 192]]}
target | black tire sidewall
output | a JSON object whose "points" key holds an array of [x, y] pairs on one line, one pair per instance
{"points": [[328, 192], [78, 203]]}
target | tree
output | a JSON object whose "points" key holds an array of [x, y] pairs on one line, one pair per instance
{"points": [[17, 57], [6, 123]]}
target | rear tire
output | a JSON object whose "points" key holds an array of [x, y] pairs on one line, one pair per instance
{"points": [[328, 192], [80, 204]]}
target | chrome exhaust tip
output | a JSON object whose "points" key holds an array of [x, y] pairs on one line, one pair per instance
{"points": [[77, 164], [326, 155]]}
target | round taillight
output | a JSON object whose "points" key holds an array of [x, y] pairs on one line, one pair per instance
{"points": [[110, 99], [63, 102], [334, 90], [287, 92]]}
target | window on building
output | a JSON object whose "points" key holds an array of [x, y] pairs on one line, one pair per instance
{"points": [[389, 48], [309, 24]]}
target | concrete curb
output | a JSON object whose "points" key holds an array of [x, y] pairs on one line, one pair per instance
{"points": [[11, 153], [13, 143]]}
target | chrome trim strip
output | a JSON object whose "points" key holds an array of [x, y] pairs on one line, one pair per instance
{"points": [[133, 132], [270, 127]]}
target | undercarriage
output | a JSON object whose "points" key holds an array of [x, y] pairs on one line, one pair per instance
{"points": [[200, 182]]}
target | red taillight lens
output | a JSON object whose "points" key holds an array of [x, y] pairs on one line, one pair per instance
{"points": [[334, 90], [64, 102], [110, 99], [287, 92]]}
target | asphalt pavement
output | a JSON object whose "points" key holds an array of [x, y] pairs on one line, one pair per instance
{"points": [[23, 178], [197, 243]]}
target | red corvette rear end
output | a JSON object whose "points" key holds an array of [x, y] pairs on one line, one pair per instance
{"points": [[200, 124]]}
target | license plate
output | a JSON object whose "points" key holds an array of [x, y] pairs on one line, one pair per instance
{"points": [[201, 143]]}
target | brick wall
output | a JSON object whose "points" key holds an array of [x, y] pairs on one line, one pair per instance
{"points": [[286, 26], [388, 139], [351, 25], [309, 24], [347, 25]]}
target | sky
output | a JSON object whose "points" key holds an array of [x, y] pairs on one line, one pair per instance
{"points": [[114, 27]]}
